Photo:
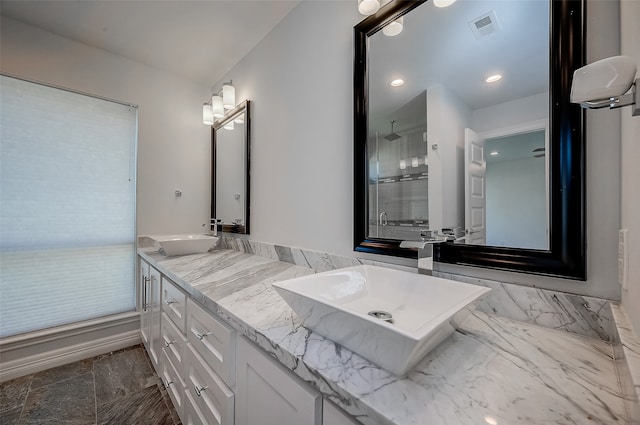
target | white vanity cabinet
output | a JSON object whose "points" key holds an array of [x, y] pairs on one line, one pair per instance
{"points": [[149, 290], [269, 394], [212, 376]]}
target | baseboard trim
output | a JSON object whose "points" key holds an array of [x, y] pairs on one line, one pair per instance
{"points": [[64, 345]]}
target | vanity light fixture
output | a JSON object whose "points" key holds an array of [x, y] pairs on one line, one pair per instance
{"points": [[228, 95], [490, 420], [414, 162], [393, 28], [207, 114], [397, 83], [221, 101], [493, 78], [443, 3], [368, 7], [403, 164]]}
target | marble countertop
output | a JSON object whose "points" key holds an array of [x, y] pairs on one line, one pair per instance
{"points": [[492, 370]]}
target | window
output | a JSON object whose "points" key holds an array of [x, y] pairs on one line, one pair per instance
{"points": [[67, 207]]}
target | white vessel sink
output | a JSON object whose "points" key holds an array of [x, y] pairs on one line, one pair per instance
{"points": [[184, 244], [336, 304]]}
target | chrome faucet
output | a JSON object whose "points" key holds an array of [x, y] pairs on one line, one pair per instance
{"points": [[425, 248]]}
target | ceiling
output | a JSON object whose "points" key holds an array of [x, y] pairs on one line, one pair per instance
{"points": [[438, 47], [199, 40]]}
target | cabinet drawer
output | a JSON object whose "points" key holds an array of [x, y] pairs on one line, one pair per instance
{"points": [[213, 399], [174, 303], [214, 340], [174, 384], [192, 414], [173, 342]]}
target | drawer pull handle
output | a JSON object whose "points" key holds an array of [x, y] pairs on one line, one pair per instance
{"points": [[167, 383], [200, 336], [168, 302], [199, 390], [168, 343]]}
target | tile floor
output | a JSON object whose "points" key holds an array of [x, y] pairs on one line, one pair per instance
{"points": [[118, 388]]}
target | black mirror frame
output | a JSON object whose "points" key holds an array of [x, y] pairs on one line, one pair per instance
{"points": [[242, 108], [567, 228]]}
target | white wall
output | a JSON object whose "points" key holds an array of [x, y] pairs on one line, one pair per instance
{"points": [[173, 145], [510, 114], [300, 81], [300, 78], [516, 204], [630, 46], [447, 117]]}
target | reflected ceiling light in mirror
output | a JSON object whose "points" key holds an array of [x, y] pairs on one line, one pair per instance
{"points": [[493, 78], [240, 119], [397, 83], [494, 153], [217, 107], [207, 114], [403, 164], [229, 125], [368, 7], [228, 95], [393, 28], [414, 162], [443, 3]]}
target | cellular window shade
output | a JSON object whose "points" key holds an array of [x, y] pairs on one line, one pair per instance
{"points": [[67, 207]]}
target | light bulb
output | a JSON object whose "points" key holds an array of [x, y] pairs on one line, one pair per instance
{"points": [[393, 28], [207, 114], [368, 7], [228, 96], [216, 106], [443, 3]]}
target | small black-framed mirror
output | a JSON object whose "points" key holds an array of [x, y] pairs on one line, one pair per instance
{"points": [[231, 171], [565, 252]]}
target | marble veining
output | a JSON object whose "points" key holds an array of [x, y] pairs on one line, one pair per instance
{"points": [[576, 314], [492, 367], [627, 351]]}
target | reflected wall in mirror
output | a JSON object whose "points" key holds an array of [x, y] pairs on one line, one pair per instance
{"points": [[499, 164], [230, 171]]}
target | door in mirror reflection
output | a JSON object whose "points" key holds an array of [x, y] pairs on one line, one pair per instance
{"points": [[419, 170]]}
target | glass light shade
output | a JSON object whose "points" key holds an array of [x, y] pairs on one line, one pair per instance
{"points": [[443, 3], [229, 96], [415, 162], [229, 125], [368, 7], [403, 164], [239, 120], [216, 106], [207, 114], [393, 28]]}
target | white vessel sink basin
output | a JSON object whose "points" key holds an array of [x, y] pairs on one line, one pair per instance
{"points": [[184, 244], [336, 304]]}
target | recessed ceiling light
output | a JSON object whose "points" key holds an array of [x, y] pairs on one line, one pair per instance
{"points": [[494, 153], [493, 78], [443, 3], [397, 83]]}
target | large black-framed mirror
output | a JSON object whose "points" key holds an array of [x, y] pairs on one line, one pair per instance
{"points": [[231, 170], [564, 251]]}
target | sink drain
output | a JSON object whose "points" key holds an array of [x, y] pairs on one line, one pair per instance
{"points": [[381, 315]]}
